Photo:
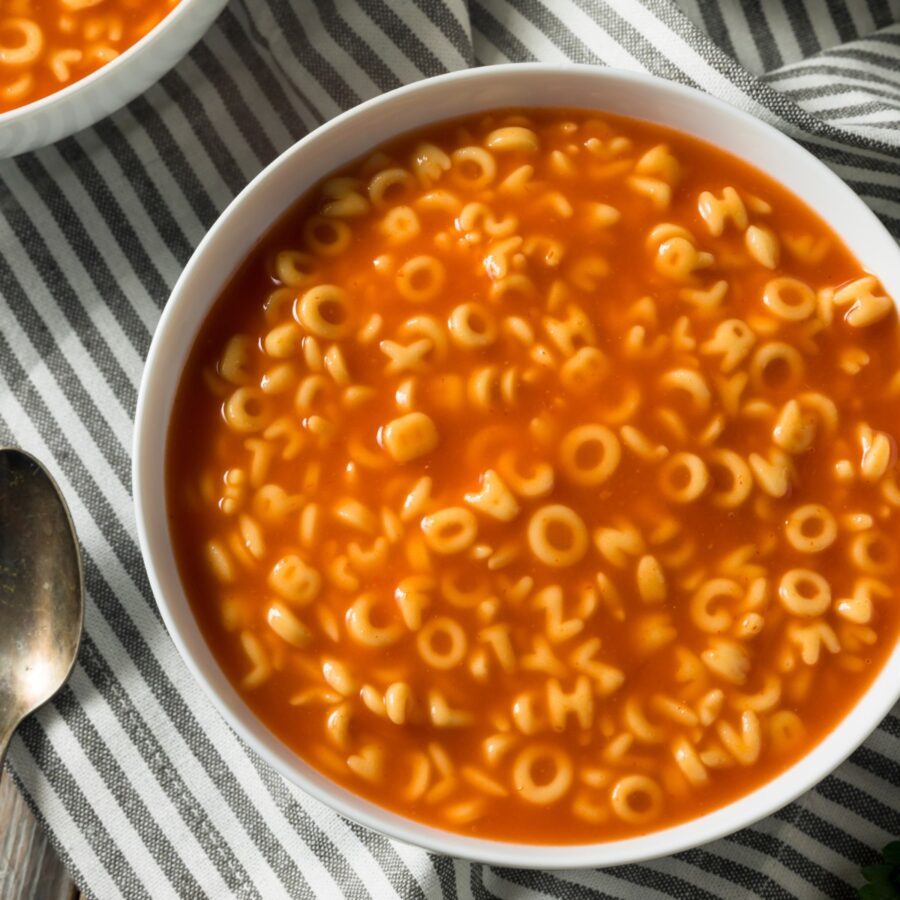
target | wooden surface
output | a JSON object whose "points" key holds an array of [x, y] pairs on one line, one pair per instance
{"points": [[29, 867]]}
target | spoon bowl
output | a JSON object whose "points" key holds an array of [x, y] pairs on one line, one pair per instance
{"points": [[41, 590]]}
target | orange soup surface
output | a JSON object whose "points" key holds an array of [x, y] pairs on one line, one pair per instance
{"points": [[536, 477], [46, 45]]}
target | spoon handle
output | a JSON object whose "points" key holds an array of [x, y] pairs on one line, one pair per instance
{"points": [[5, 738]]}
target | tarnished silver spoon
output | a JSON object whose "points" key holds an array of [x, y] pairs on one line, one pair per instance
{"points": [[41, 590]]}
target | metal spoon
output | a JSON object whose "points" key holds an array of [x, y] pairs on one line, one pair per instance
{"points": [[41, 590]]}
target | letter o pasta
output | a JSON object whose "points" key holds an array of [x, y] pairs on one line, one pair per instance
{"points": [[324, 311], [361, 627], [385, 187], [474, 167], [420, 279], [247, 410], [452, 636], [870, 552], [804, 592], [777, 361], [557, 536], [525, 776], [811, 528], [790, 299], [326, 236], [472, 326], [589, 455], [450, 530], [637, 799], [295, 268], [683, 478]]}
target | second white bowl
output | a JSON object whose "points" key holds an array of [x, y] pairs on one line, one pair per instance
{"points": [[110, 87]]}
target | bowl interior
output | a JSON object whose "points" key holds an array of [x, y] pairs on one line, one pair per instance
{"points": [[271, 193]]}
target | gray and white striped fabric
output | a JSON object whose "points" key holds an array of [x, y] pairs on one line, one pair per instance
{"points": [[146, 792]]}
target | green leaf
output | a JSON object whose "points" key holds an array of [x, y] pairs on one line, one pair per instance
{"points": [[883, 877], [891, 853]]}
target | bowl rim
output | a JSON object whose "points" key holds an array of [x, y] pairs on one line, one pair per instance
{"points": [[825, 756], [64, 94]]}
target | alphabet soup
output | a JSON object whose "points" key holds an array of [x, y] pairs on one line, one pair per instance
{"points": [[536, 477]]}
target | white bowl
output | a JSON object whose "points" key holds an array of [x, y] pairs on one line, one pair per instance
{"points": [[111, 86], [269, 195]]}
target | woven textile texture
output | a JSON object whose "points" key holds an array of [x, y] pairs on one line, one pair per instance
{"points": [[145, 790]]}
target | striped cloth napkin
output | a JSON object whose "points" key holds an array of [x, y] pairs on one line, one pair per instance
{"points": [[144, 789]]}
